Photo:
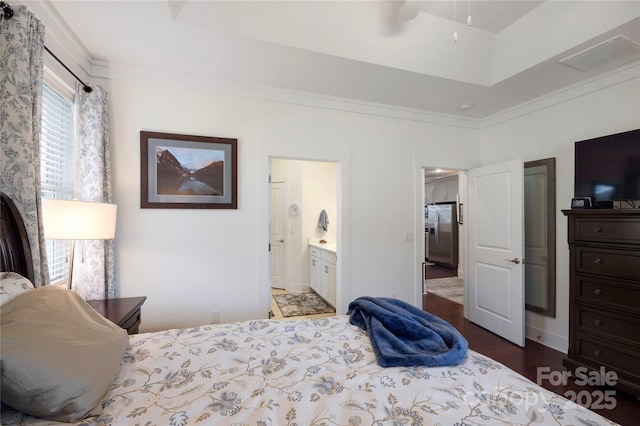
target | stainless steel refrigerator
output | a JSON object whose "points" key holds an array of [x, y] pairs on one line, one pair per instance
{"points": [[442, 230]]}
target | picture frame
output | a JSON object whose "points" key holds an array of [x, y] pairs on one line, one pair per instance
{"points": [[188, 172]]}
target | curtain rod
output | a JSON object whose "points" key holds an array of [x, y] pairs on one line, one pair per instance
{"points": [[85, 87], [7, 13]]}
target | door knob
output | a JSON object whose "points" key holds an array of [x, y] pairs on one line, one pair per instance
{"points": [[514, 260], [281, 240]]}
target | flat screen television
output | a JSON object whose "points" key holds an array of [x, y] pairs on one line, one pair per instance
{"points": [[608, 169]]}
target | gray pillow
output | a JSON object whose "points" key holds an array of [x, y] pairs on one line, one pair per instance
{"points": [[59, 356]]}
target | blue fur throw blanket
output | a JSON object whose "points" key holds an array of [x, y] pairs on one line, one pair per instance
{"points": [[403, 335]]}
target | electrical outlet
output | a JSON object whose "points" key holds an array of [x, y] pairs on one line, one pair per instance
{"points": [[215, 316]]}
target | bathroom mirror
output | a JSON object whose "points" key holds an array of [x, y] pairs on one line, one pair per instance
{"points": [[540, 236]]}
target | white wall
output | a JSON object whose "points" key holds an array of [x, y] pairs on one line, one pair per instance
{"points": [[582, 113], [188, 262]]}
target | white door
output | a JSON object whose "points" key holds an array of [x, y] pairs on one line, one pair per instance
{"points": [[496, 272], [277, 232]]}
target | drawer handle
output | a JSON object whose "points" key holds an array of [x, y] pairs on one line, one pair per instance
{"points": [[597, 292], [597, 352], [597, 261], [598, 322], [597, 229]]}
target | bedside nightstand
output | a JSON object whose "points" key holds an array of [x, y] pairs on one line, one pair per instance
{"points": [[124, 311]]}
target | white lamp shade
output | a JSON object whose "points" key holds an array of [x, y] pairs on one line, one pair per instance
{"points": [[78, 220]]}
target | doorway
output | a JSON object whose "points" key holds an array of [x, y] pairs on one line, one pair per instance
{"points": [[442, 245], [503, 186], [269, 150], [300, 190]]}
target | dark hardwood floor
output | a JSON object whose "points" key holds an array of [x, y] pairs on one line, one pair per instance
{"points": [[526, 360], [433, 271]]}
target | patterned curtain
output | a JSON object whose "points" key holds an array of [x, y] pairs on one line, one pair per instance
{"points": [[94, 175], [21, 67]]}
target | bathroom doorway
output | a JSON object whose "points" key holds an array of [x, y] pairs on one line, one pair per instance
{"points": [[300, 190]]}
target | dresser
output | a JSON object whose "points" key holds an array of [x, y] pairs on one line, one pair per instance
{"points": [[125, 312], [604, 297]]}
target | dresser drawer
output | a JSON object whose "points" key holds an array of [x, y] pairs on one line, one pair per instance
{"points": [[616, 230], [608, 324], [132, 323], [608, 293], [612, 263], [600, 353]]}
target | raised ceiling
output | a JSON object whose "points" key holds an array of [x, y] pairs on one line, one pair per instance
{"points": [[399, 54]]}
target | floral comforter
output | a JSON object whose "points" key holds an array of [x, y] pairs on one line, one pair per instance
{"points": [[310, 372]]}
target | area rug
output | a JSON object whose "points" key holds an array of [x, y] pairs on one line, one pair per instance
{"points": [[451, 288], [294, 305]]}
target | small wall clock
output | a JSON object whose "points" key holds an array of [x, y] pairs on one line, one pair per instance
{"points": [[294, 209]]}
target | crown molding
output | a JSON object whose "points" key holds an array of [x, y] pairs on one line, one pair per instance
{"points": [[231, 88], [197, 82], [602, 81], [62, 42]]}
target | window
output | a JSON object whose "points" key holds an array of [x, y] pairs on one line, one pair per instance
{"points": [[57, 162]]}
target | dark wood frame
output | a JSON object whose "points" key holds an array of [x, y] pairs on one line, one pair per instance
{"points": [[208, 142], [14, 243], [550, 310]]}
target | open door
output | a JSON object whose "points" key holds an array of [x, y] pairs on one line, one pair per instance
{"points": [[277, 233], [496, 245]]}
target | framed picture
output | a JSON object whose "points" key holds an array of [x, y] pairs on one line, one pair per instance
{"points": [[188, 172]]}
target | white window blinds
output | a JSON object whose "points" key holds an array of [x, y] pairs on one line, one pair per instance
{"points": [[57, 164], [57, 147]]}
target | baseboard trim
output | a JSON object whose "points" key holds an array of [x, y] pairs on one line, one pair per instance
{"points": [[298, 288], [553, 341]]}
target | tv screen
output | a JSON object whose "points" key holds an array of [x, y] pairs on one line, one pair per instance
{"points": [[608, 168]]}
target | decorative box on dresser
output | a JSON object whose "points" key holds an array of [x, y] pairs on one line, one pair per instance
{"points": [[604, 297]]}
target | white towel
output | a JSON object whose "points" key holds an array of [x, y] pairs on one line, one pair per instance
{"points": [[323, 221]]}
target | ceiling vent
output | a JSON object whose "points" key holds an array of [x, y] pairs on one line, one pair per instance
{"points": [[614, 52]]}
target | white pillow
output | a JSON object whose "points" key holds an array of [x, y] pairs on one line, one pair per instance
{"points": [[11, 285]]}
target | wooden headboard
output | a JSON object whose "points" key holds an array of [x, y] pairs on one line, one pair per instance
{"points": [[15, 250]]}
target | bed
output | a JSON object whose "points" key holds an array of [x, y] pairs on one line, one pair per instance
{"points": [[281, 372]]}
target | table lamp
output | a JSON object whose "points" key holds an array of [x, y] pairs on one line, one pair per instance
{"points": [[78, 220]]}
